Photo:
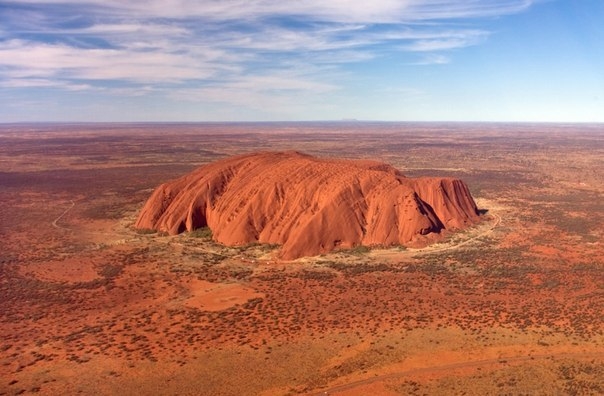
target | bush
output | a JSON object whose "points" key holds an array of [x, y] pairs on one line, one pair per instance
{"points": [[360, 249], [203, 232], [145, 231]]}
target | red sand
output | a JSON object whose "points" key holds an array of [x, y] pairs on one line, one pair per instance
{"points": [[210, 296]]}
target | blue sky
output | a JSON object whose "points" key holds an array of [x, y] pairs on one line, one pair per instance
{"points": [[269, 60]]}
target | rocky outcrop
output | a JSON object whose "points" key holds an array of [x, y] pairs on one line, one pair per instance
{"points": [[308, 205]]}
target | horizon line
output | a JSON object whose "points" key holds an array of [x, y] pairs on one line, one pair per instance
{"points": [[341, 121]]}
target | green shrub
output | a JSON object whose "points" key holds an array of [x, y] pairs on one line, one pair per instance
{"points": [[203, 232], [360, 249], [145, 231]]}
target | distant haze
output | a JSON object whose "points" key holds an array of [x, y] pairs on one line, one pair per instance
{"points": [[232, 60]]}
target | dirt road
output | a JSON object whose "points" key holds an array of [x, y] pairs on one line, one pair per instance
{"points": [[456, 366], [55, 221]]}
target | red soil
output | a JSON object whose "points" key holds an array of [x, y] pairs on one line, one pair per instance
{"points": [[210, 296], [308, 205], [68, 270]]}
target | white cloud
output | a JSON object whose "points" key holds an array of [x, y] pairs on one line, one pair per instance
{"points": [[275, 96], [377, 11], [432, 59], [42, 83], [23, 59], [333, 10], [231, 50], [254, 90], [440, 44], [280, 83], [456, 9], [131, 28]]}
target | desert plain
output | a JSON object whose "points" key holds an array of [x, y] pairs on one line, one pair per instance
{"points": [[91, 305]]}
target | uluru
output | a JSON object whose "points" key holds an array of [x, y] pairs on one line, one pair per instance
{"points": [[308, 205]]}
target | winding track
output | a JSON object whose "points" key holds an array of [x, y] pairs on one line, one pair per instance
{"points": [[456, 366], [55, 221], [431, 249], [423, 370], [462, 243]]}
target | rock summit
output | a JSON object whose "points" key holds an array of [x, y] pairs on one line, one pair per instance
{"points": [[308, 205]]}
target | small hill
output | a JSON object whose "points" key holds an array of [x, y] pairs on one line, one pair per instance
{"points": [[308, 205]]}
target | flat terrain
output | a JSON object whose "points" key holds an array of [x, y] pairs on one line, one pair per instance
{"points": [[513, 305]]}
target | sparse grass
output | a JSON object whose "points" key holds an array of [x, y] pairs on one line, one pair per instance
{"points": [[359, 250], [203, 233], [145, 231], [354, 313], [110, 271]]}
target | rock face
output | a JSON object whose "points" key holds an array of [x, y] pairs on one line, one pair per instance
{"points": [[308, 205]]}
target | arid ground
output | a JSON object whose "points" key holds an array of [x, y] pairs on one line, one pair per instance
{"points": [[514, 305]]}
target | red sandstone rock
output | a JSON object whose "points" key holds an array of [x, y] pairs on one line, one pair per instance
{"points": [[308, 205]]}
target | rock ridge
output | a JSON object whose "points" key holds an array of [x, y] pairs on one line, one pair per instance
{"points": [[308, 205]]}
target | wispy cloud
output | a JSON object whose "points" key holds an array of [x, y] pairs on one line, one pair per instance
{"points": [[432, 59], [379, 11], [225, 50], [26, 59], [40, 82], [446, 42]]}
